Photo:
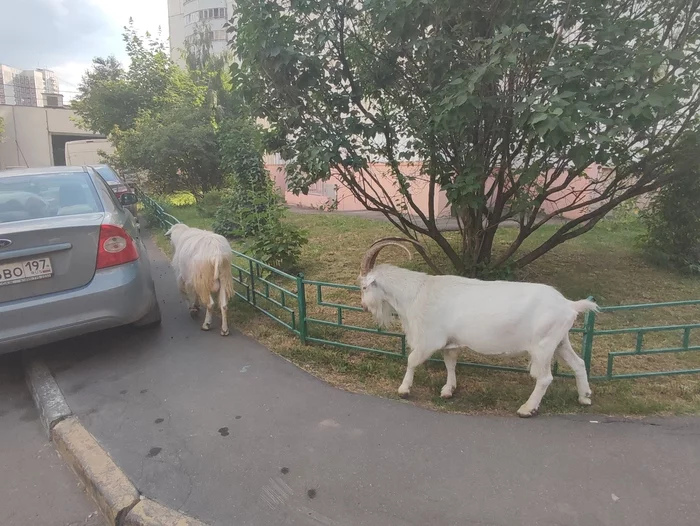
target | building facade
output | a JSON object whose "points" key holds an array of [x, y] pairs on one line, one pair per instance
{"points": [[37, 88], [185, 17], [35, 137]]}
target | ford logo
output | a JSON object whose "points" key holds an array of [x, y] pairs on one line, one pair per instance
{"points": [[5, 243]]}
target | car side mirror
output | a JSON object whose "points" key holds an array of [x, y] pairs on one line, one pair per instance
{"points": [[128, 199]]}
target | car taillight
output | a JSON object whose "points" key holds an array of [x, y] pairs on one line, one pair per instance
{"points": [[115, 247], [121, 189]]}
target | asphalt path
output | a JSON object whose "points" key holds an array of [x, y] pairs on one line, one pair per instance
{"points": [[36, 487], [232, 434]]}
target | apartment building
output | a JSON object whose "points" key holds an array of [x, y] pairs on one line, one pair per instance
{"points": [[38, 87], [185, 16]]}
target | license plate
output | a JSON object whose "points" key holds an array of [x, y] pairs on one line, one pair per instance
{"points": [[26, 270]]}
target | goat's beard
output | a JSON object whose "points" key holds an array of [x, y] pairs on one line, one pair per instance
{"points": [[383, 314]]}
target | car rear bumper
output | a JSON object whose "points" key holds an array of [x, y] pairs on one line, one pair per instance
{"points": [[115, 296]]}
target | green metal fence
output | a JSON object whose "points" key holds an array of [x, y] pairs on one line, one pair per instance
{"points": [[283, 298], [640, 333]]}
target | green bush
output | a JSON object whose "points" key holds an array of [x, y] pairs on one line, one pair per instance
{"points": [[179, 199], [244, 211], [673, 218], [146, 213], [252, 210], [210, 202], [279, 245]]}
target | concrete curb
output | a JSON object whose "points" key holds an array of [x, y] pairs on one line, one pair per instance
{"points": [[47, 396], [108, 486], [117, 498], [150, 513]]}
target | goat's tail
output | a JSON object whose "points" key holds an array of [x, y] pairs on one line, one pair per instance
{"points": [[203, 281], [225, 277], [209, 276], [215, 282], [585, 306]]}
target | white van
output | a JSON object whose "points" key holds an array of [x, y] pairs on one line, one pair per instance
{"points": [[86, 152]]}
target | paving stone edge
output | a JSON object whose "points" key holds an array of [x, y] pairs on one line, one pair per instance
{"points": [[118, 499]]}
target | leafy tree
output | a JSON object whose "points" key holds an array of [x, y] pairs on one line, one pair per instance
{"points": [[506, 103], [111, 96], [673, 217], [105, 100], [252, 209], [252, 199], [157, 115], [199, 49], [177, 148], [209, 69]]}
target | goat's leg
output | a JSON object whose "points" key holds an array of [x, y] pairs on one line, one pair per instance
{"points": [[450, 358], [223, 304], [192, 303], [188, 296], [181, 286], [573, 360], [541, 371], [207, 318], [193, 306], [414, 360]]}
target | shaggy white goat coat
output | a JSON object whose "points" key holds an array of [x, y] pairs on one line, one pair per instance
{"points": [[488, 317], [202, 264]]}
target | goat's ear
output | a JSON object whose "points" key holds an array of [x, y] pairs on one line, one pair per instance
{"points": [[369, 282]]}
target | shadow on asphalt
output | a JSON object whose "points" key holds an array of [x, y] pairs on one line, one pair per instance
{"points": [[121, 343]]}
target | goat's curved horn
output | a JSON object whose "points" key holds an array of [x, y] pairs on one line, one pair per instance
{"points": [[420, 248], [400, 240], [370, 257]]}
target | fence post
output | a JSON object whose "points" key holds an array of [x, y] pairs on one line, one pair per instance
{"points": [[301, 300], [252, 281], [588, 328]]}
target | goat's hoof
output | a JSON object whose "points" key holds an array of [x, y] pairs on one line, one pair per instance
{"points": [[523, 412], [193, 313], [446, 393], [404, 394], [225, 332], [206, 327], [585, 400]]}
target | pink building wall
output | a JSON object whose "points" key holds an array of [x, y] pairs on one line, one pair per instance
{"points": [[321, 194], [579, 190]]}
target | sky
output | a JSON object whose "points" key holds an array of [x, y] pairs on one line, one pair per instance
{"points": [[65, 35]]}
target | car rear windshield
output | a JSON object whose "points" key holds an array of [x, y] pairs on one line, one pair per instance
{"points": [[107, 174], [38, 196]]}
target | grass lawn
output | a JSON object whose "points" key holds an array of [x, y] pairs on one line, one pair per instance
{"points": [[604, 263]]}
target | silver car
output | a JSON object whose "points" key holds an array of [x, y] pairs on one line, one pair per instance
{"points": [[118, 185], [71, 258]]}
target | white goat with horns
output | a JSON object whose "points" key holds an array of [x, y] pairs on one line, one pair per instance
{"points": [[202, 264], [489, 317]]}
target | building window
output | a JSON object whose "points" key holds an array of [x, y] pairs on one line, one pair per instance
{"points": [[205, 14], [218, 35], [216, 12]]}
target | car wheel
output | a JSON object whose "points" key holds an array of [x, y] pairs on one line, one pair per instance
{"points": [[152, 319]]}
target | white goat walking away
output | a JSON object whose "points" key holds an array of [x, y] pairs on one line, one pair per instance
{"points": [[202, 264], [489, 317]]}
